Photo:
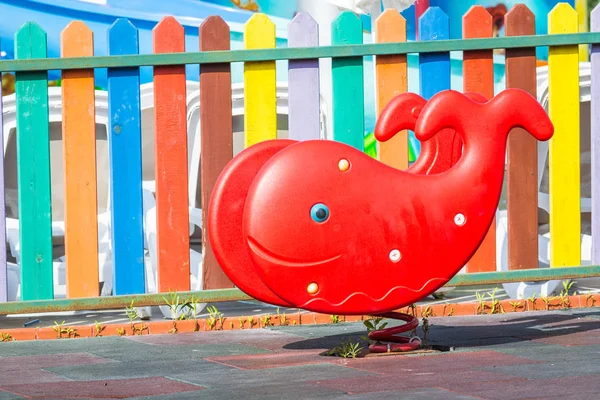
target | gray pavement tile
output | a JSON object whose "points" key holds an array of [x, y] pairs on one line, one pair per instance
{"points": [[319, 331], [67, 346], [417, 394], [121, 349], [550, 352], [581, 387], [282, 391], [242, 379], [10, 396], [141, 369], [554, 369], [131, 352]]}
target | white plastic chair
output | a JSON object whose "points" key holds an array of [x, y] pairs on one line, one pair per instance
{"points": [[522, 290]]}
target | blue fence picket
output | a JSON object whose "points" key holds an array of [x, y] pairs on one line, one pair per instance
{"points": [[303, 81], [125, 163], [434, 68]]}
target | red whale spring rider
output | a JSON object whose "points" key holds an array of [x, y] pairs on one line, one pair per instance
{"points": [[322, 226]]}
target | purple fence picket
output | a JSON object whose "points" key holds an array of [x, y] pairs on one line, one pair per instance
{"points": [[303, 81], [595, 139]]}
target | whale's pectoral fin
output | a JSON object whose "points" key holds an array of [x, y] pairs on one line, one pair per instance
{"points": [[399, 114], [438, 153]]}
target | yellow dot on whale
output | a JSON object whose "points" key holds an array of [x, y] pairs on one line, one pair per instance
{"points": [[344, 165], [312, 288]]}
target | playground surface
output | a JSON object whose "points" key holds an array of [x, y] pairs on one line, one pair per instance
{"points": [[537, 355]]}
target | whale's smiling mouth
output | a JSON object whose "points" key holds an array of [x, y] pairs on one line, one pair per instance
{"points": [[272, 258]]}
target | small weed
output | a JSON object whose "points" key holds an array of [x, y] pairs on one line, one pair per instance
{"points": [[346, 349], [516, 305], [565, 300], [481, 306], [251, 322], [121, 331], [173, 328], [413, 310], [335, 319], [192, 305], [181, 310], [216, 319], [590, 298], [283, 319], [174, 304], [241, 322], [532, 301], [567, 285], [138, 329], [427, 312], [496, 306], [266, 321], [132, 313], [98, 329], [425, 328], [6, 337], [373, 324], [60, 330], [211, 323], [450, 312], [547, 302]]}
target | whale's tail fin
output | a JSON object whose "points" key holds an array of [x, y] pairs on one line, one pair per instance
{"points": [[512, 108]]}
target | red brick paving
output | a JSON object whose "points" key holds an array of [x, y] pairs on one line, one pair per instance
{"points": [[457, 361], [118, 389], [28, 369], [276, 360], [415, 380], [259, 338], [575, 339], [587, 387]]}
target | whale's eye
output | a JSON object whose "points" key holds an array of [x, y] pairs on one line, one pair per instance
{"points": [[319, 212]]}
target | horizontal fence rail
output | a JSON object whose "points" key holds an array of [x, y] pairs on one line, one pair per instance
{"points": [[354, 50]]}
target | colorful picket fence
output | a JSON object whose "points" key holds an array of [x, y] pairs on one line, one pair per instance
{"points": [[260, 122]]}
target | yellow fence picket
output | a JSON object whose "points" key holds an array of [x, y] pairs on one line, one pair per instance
{"points": [[260, 103], [563, 71]]}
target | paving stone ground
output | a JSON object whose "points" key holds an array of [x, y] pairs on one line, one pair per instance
{"points": [[540, 355]]}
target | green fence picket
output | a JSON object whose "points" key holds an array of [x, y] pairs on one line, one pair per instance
{"points": [[348, 83], [33, 168]]}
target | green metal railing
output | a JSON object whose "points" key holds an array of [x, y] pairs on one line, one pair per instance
{"points": [[296, 53]]}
